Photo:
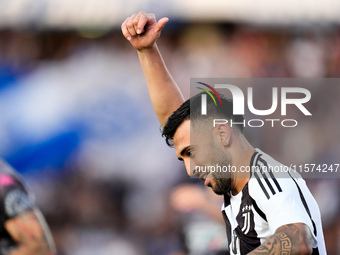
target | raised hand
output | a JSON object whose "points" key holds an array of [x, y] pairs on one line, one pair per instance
{"points": [[142, 30]]}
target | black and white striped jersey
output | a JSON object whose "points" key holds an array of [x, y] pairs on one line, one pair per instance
{"points": [[268, 201]]}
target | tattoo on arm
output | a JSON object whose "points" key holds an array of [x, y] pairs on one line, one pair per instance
{"points": [[288, 240], [286, 243]]}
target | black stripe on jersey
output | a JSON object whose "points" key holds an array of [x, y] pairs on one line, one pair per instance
{"points": [[270, 173], [275, 181], [260, 162], [303, 200], [261, 185], [258, 210], [245, 231], [267, 181], [226, 220], [228, 226]]}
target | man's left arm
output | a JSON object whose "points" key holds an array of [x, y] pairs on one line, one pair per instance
{"points": [[288, 239]]}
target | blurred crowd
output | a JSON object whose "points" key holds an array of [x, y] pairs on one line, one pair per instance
{"points": [[77, 122]]}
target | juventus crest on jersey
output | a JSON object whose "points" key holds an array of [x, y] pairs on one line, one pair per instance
{"points": [[268, 201]]}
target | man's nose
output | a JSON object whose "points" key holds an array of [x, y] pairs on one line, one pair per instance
{"points": [[188, 168], [191, 169]]}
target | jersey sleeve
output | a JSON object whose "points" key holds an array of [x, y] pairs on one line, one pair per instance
{"points": [[281, 202], [15, 197]]}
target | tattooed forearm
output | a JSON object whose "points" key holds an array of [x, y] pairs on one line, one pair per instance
{"points": [[286, 243], [288, 240], [278, 243]]}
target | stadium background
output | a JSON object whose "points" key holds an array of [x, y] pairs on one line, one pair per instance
{"points": [[77, 122]]}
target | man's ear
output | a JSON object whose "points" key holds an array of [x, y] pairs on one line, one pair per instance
{"points": [[224, 134]]}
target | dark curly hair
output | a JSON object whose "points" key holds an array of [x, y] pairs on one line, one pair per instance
{"points": [[191, 109]]}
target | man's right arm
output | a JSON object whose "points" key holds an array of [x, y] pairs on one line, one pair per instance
{"points": [[142, 30], [288, 239]]}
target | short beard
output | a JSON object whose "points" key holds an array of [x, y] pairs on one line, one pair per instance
{"points": [[222, 186], [223, 180]]}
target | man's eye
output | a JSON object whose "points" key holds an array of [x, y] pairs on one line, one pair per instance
{"points": [[190, 153], [180, 159]]}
